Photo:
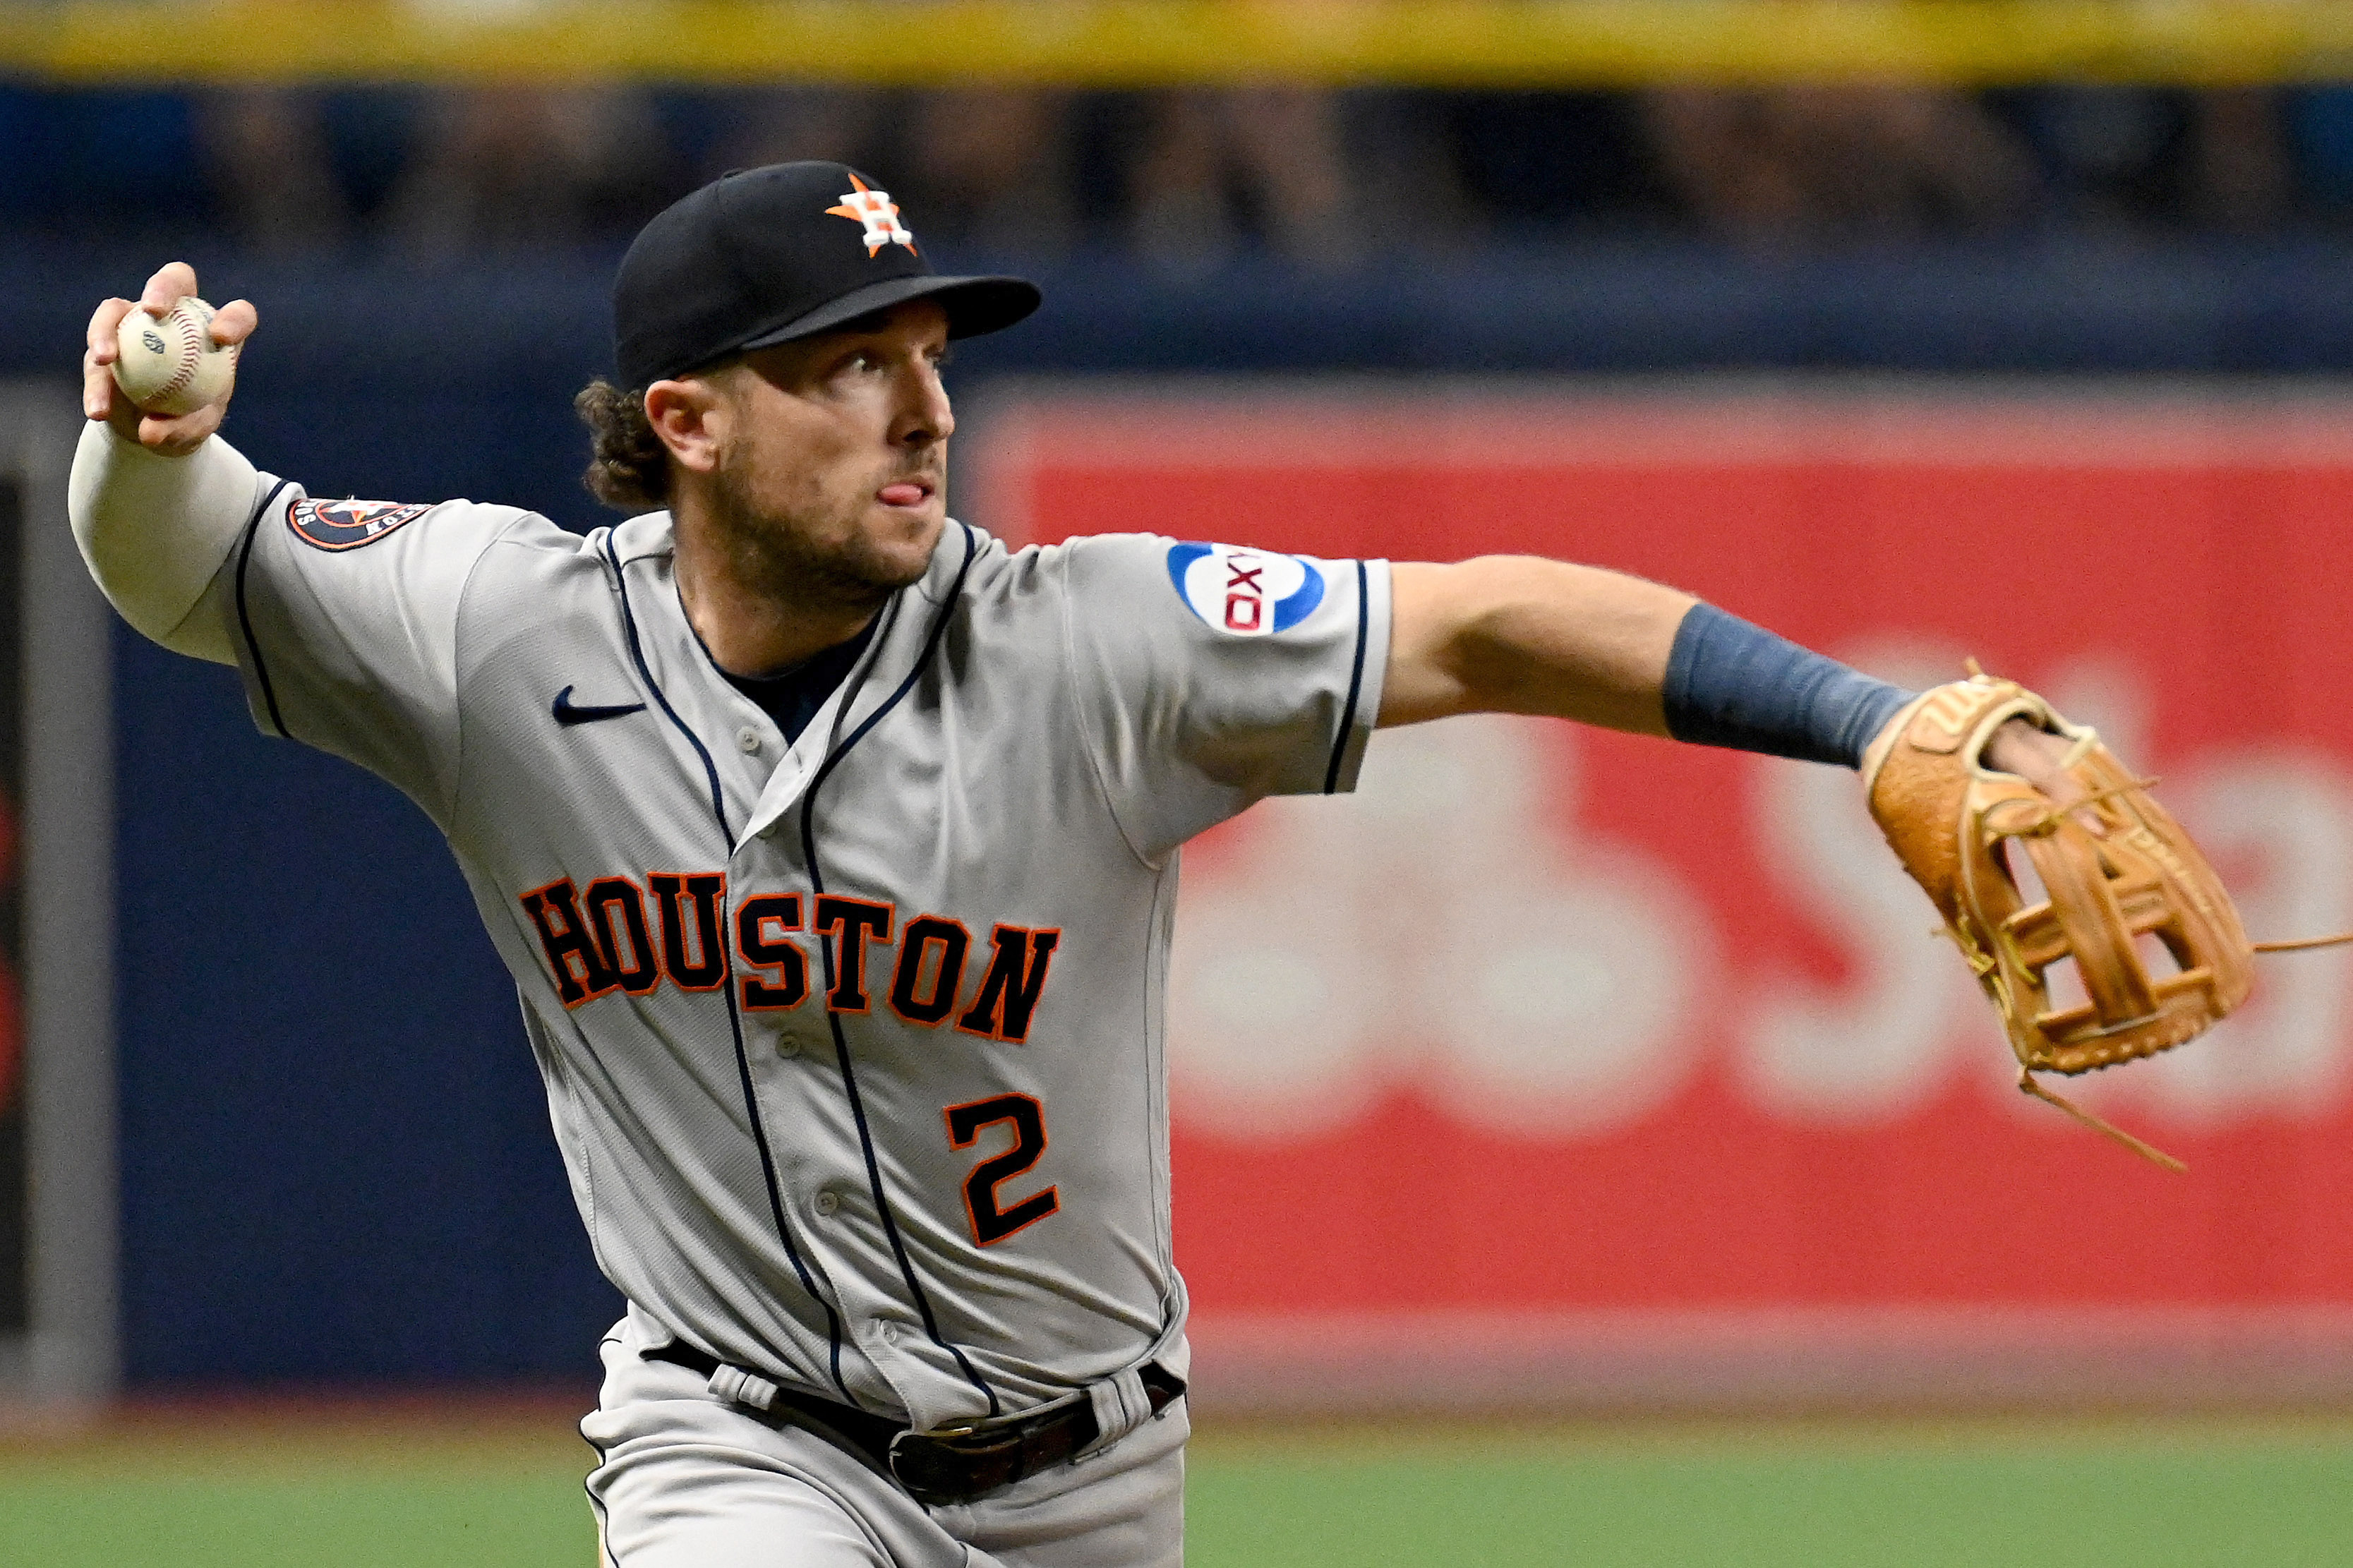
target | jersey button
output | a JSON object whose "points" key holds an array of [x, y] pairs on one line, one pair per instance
{"points": [[827, 1201], [748, 739], [787, 1046]]}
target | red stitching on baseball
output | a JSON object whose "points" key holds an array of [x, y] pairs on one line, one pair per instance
{"points": [[191, 354]]}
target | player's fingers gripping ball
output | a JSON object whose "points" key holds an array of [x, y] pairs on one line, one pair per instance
{"points": [[169, 364], [2156, 942]]}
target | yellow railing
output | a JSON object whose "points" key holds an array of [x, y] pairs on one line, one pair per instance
{"points": [[1130, 43]]}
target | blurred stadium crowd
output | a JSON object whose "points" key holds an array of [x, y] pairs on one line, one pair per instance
{"points": [[1184, 177]]}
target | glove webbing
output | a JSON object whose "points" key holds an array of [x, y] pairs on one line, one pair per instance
{"points": [[2149, 1152], [2042, 822]]}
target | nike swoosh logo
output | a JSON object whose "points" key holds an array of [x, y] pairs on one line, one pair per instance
{"points": [[568, 713]]}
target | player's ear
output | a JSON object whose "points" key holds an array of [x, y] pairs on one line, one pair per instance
{"points": [[689, 417]]}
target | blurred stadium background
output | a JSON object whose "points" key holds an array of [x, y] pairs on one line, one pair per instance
{"points": [[1585, 1156]]}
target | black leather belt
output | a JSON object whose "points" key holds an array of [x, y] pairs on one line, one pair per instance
{"points": [[954, 1464]]}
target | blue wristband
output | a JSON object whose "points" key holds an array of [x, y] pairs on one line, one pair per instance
{"points": [[1733, 684]]}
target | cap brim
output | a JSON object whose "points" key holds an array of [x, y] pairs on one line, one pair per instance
{"points": [[974, 305]]}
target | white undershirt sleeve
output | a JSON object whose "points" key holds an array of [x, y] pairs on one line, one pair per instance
{"points": [[155, 531]]}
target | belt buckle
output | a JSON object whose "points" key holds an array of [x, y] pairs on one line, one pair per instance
{"points": [[945, 1465]]}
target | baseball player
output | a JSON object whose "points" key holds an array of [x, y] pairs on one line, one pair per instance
{"points": [[832, 845]]}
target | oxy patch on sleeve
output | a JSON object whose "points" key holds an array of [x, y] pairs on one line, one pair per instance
{"points": [[1245, 592], [348, 524]]}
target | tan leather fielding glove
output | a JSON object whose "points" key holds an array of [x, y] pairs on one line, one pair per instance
{"points": [[2155, 939]]}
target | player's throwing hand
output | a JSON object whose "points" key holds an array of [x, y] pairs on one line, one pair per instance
{"points": [[104, 398]]}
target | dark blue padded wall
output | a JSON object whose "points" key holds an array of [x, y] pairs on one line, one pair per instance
{"points": [[335, 1153], [336, 1162]]}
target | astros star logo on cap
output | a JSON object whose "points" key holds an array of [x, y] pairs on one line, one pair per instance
{"points": [[878, 212]]}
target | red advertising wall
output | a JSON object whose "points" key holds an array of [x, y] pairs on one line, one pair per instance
{"points": [[1547, 1021]]}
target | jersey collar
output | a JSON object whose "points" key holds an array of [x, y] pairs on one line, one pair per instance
{"points": [[757, 792]]}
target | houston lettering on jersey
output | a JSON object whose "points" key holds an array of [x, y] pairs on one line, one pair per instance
{"points": [[631, 935]]}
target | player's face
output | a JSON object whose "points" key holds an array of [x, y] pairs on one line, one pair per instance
{"points": [[836, 459]]}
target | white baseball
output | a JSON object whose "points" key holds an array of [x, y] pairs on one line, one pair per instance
{"points": [[169, 363]]}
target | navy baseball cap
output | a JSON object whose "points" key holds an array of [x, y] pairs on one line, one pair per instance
{"points": [[764, 256]]}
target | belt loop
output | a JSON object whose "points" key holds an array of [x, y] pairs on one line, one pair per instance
{"points": [[736, 1386], [1121, 1405]]}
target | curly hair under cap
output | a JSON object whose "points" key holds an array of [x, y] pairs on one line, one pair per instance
{"points": [[629, 468]]}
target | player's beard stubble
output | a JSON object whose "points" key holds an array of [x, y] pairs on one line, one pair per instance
{"points": [[823, 563]]}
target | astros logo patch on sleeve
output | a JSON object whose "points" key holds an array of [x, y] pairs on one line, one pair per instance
{"points": [[348, 524], [1246, 592]]}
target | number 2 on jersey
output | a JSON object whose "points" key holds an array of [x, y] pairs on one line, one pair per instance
{"points": [[991, 1220]]}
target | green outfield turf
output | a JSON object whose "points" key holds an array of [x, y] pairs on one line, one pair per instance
{"points": [[197, 1490], [1912, 1495]]}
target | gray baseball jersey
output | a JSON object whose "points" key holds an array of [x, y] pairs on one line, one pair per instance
{"points": [[853, 1046]]}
